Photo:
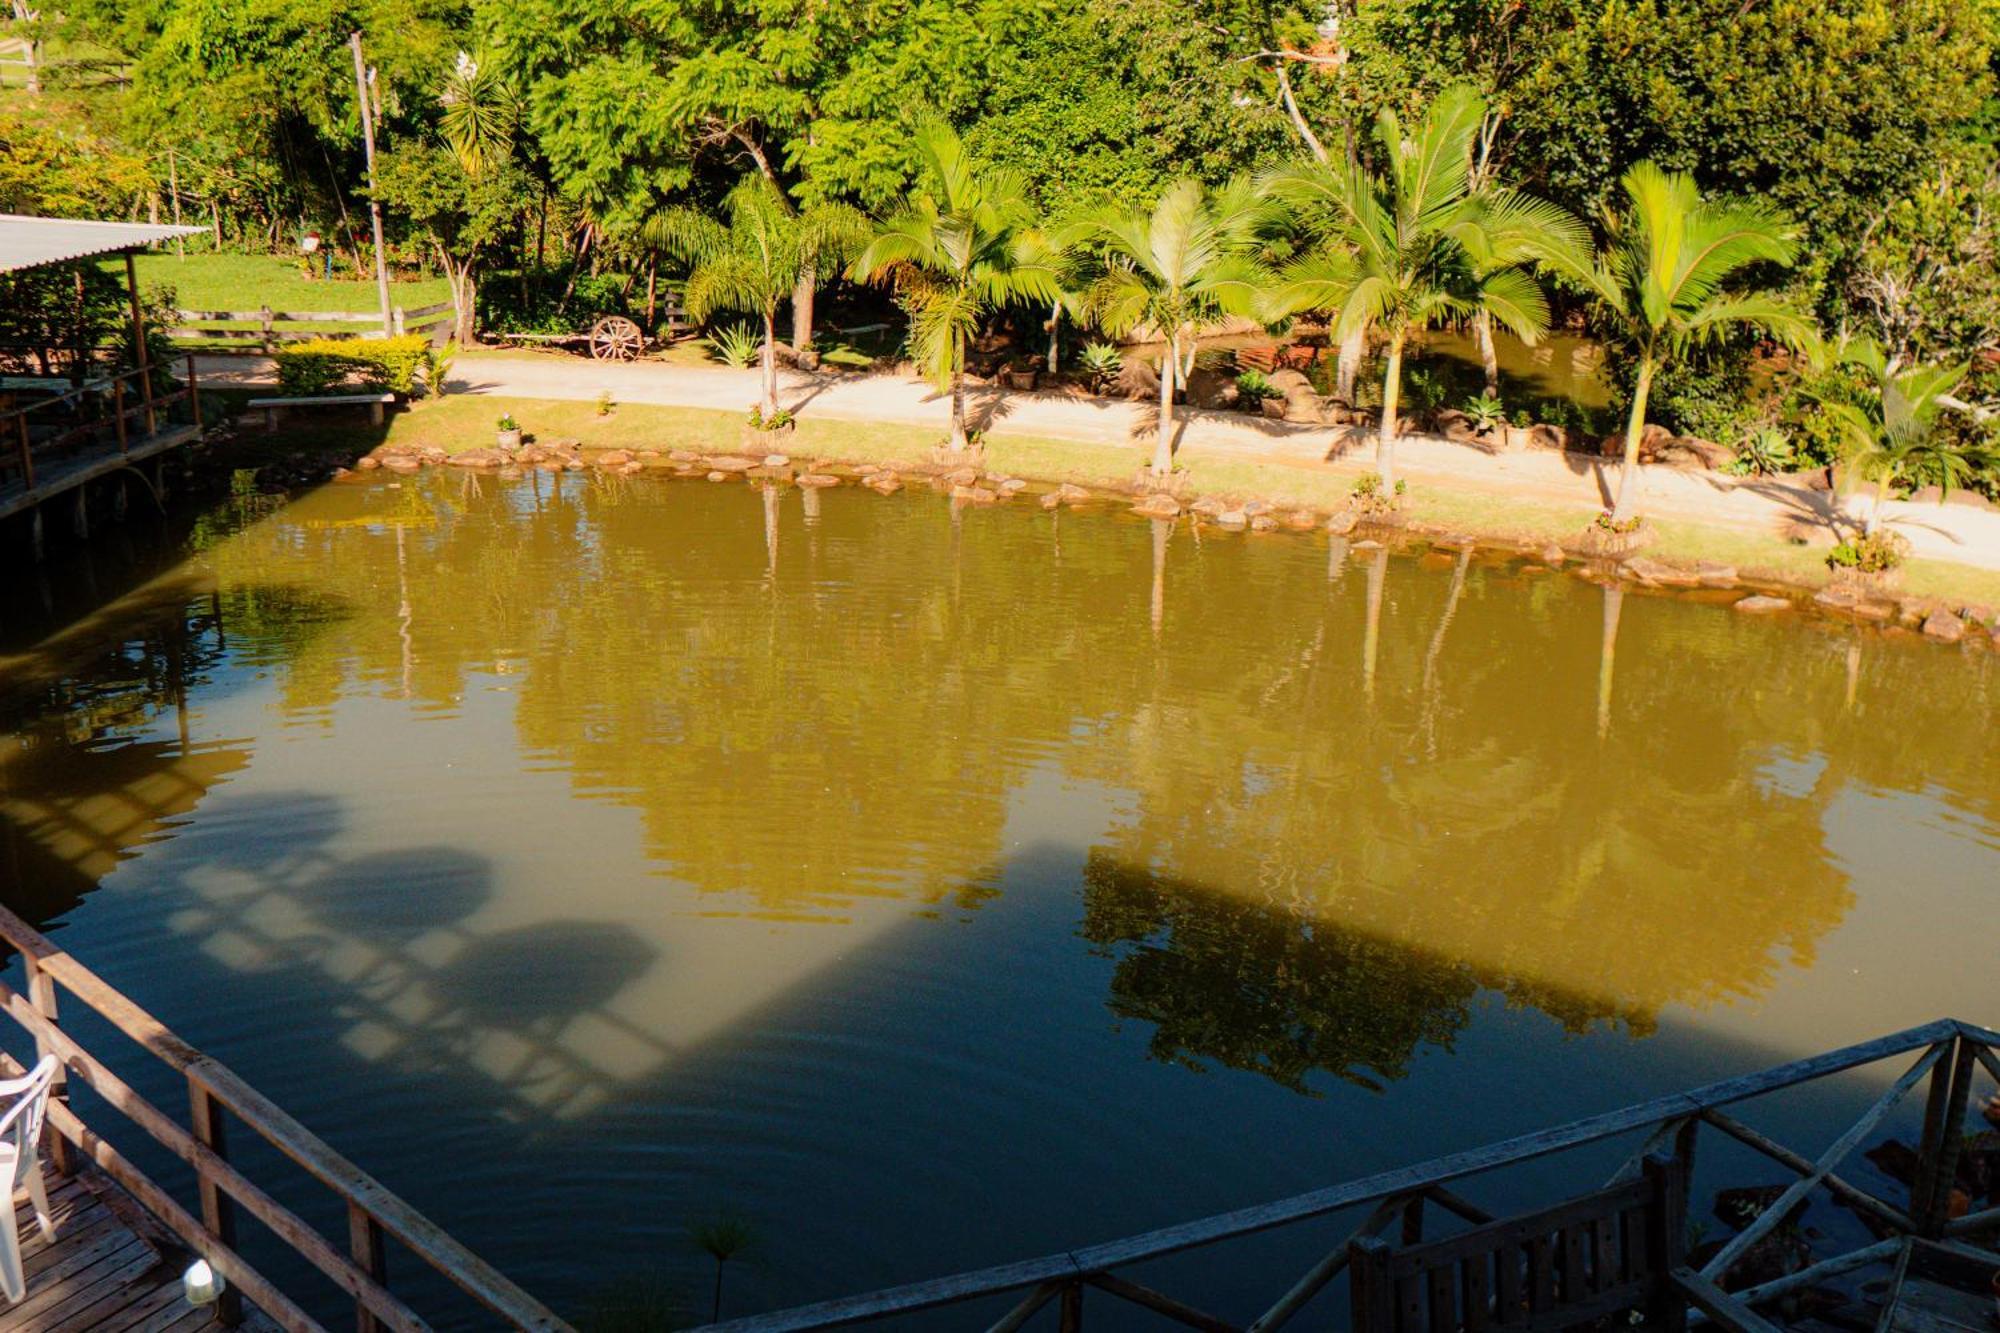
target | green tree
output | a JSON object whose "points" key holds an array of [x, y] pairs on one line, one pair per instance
{"points": [[1892, 438], [1413, 245], [1184, 266], [1662, 283], [755, 261], [464, 217], [962, 247]]}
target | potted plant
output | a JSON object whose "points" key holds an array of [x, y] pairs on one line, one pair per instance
{"points": [[1020, 376], [510, 431]]}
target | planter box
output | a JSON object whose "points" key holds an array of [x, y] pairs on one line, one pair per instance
{"points": [[509, 439]]}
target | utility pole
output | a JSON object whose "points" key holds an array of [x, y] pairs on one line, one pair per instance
{"points": [[374, 204]]}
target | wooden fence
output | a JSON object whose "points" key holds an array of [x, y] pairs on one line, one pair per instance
{"points": [[1947, 1053], [218, 1101], [226, 325]]}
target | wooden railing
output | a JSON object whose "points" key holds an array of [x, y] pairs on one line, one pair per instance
{"points": [[1948, 1052], [225, 325], [218, 1101], [117, 408]]}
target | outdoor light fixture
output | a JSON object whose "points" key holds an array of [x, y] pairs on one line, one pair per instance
{"points": [[201, 1284]]}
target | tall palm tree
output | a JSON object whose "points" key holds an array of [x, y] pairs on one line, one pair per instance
{"points": [[753, 261], [1893, 436], [1414, 245], [1663, 281], [963, 246], [1185, 265]]}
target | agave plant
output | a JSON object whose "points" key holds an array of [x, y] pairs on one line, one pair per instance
{"points": [[1486, 412], [1764, 450], [1100, 361], [735, 345]]}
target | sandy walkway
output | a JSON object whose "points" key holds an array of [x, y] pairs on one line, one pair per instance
{"points": [[1956, 532]]}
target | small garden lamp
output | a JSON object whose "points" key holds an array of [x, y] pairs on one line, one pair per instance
{"points": [[201, 1284]]}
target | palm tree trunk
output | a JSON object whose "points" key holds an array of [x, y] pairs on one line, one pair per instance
{"points": [[959, 438], [1392, 390], [769, 406], [1635, 430], [1055, 328], [1349, 367], [1874, 523], [1163, 443], [1489, 359], [802, 308]]}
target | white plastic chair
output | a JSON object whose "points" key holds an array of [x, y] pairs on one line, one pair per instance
{"points": [[26, 1100]]}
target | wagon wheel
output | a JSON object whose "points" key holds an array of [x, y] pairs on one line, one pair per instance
{"points": [[616, 338]]}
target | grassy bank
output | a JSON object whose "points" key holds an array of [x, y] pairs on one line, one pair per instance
{"points": [[467, 422], [250, 282]]}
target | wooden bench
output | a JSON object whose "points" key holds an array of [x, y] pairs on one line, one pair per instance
{"points": [[1596, 1255], [374, 402]]}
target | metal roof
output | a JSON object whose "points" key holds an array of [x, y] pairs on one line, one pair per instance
{"points": [[27, 242]]}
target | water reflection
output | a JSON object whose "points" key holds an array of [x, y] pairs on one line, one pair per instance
{"points": [[572, 776]]}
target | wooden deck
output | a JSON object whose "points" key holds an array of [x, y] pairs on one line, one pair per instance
{"points": [[61, 475], [111, 1268]]}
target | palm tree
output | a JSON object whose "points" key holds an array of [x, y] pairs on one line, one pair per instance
{"points": [[1184, 266], [1893, 436], [753, 261], [962, 246], [1663, 282], [1415, 245]]}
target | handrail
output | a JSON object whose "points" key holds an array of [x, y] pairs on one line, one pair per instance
{"points": [[1667, 1117], [373, 1209]]}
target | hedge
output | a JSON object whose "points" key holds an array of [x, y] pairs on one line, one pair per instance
{"points": [[308, 369]]}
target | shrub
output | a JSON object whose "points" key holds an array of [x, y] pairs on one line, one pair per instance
{"points": [[507, 422], [1100, 360], [1253, 387], [735, 345], [389, 365], [778, 420], [1485, 412], [1870, 555]]}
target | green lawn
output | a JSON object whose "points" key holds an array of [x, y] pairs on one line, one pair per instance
{"points": [[251, 282]]}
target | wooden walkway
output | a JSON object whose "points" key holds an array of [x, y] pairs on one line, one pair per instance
{"points": [[111, 1268]]}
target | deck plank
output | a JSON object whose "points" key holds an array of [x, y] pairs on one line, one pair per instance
{"points": [[105, 1272]]}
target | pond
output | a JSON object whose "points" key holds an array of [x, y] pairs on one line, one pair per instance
{"points": [[933, 887]]}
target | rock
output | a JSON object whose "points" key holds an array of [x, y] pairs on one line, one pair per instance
{"points": [[1693, 452], [818, 481], [1552, 555], [1712, 574], [1541, 435], [1657, 574], [1232, 518], [511, 473], [1135, 379], [1051, 501], [631, 469], [1943, 626], [478, 458], [576, 465], [1976, 613], [1289, 381], [965, 476], [1650, 440], [1157, 505], [649, 454], [367, 462], [682, 456], [776, 460], [868, 469], [1913, 611], [1011, 485], [1256, 507], [1302, 520], [978, 495], [1761, 604], [1342, 523], [1875, 609], [1207, 506], [884, 483], [1211, 389], [719, 475], [1065, 494], [1263, 523], [726, 463], [1456, 541], [614, 458], [527, 454], [402, 463], [1836, 597]]}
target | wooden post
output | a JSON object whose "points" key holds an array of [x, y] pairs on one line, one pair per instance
{"points": [[368, 152], [118, 412], [1413, 1220], [1372, 1302], [264, 323], [218, 1210], [396, 321], [1944, 1135], [194, 393], [139, 341], [1667, 1310], [1072, 1308], [42, 994], [364, 1236], [27, 453]]}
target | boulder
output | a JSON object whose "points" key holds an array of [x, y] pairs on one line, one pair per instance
{"points": [[576, 465], [818, 481], [1650, 440], [367, 463], [776, 460], [719, 475], [884, 483], [1761, 604], [1943, 626], [978, 495], [1302, 520], [614, 458], [1342, 523], [1263, 523], [478, 458], [965, 476], [1694, 453], [726, 463], [1010, 485], [1208, 506], [1135, 379], [1157, 505], [1211, 389], [1541, 435], [1836, 597], [1552, 555], [1232, 518], [401, 463], [1657, 574], [631, 469], [682, 456], [1713, 574]]}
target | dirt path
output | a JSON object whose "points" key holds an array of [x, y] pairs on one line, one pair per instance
{"points": [[1962, 533]]}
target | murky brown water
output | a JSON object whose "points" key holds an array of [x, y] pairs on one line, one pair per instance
{"points": [[936, 888]]}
